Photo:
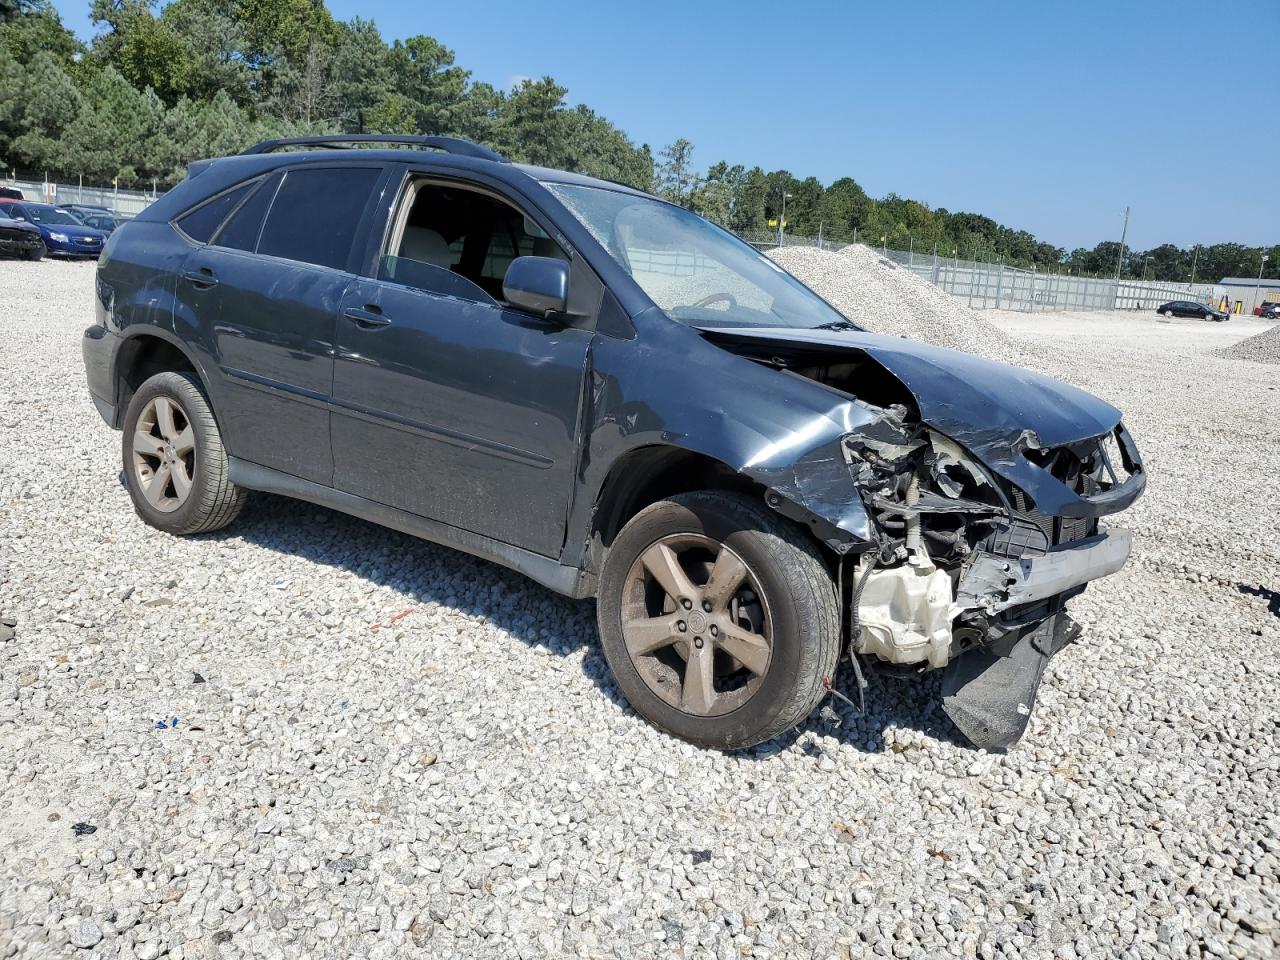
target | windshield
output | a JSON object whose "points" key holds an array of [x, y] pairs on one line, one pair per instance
{"points": [[43, 214], [689, 267]]}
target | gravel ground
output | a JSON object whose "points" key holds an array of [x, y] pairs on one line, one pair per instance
{"points": [[1263, 347], [309, 737]]}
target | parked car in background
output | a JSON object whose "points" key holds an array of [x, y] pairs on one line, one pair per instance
{"points": [[1189, 308], [1270, 310], [20, 239], [99, 221], [10, 193], [78, 208], [498, 357], [62, 233]]}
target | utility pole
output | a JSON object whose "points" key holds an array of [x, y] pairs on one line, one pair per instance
{"points": [[782, 220], [1124, 234], [1195, 256]]}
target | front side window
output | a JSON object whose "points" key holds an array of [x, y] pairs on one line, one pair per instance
{"points": [[456, 242], [696, 272], [316, 213]]}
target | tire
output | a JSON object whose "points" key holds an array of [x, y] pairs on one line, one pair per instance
{"points": [[211, 500], [1168, 314], [37, 254], [797, 607]]}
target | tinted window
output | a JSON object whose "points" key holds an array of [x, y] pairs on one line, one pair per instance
{"points": [[201, 222], [241, 231], [316, 213]]}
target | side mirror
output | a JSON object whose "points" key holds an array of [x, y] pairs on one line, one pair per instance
{"points": [[539, 285]]}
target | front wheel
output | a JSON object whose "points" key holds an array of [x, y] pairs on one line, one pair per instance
{"points": [[175, 465], [37, 253], [718, 618]]}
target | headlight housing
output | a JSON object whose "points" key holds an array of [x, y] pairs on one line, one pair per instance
{"points": [[60, 237]]}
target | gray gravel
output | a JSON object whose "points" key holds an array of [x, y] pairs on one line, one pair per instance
{"points": [[398, 750], [884, 297], [1262, 347]]}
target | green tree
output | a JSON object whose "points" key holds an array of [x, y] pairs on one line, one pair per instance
{"points": [[215, 43], [292, 28], [675, 178], [423, 72], [362, 76]]}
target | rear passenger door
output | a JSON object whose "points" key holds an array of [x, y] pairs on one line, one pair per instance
{"points": [[267, 288]]}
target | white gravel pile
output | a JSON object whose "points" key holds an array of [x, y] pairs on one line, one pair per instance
{"points": [[884, 297], [1262, 347], [307, 736]]}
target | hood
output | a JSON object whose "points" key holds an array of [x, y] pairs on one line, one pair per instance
{"points": [[977, 402], [22, 225]]}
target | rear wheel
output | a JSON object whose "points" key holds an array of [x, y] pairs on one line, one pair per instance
{"points": [[175, 465], [718, 618]]}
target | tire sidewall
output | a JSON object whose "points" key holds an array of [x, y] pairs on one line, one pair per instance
{"points": [[746, 724], [182, 390]]}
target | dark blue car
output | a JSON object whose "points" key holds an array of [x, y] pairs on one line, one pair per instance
{"points": [[62, 233], [620, 399]]}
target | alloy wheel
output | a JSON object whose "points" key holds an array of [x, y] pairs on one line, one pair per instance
{"points": [[164, 454], [696, 624]]}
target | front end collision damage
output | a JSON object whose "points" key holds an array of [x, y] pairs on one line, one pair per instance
{"points": [[964, 492]]}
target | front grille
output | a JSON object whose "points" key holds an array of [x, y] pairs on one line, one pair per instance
{"points": [[1056, 530]]}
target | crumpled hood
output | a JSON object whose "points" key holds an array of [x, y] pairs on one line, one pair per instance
{"points": [[979, 403]]}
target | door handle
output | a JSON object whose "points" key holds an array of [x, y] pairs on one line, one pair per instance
{"points": [[370, 317], [202, 278]]}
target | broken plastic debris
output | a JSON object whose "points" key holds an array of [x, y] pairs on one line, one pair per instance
{"points": [[170, 724], [83, 829]]}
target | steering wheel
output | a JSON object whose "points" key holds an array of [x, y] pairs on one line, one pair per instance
{"points": [[715, 297]]}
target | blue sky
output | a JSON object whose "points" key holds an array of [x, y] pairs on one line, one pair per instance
{"points": [[1045, 116]]}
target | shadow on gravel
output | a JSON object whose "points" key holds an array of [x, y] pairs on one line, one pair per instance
{"points": [[1266, 593], [425, 572], [428, 572]]}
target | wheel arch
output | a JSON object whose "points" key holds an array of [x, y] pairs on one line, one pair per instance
{"points": [[652, 472], [144, 354]]}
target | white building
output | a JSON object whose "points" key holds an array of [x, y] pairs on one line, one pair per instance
{"points": [[1250, 292]]}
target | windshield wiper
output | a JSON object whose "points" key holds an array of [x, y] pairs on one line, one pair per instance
{"points": [[837, 325]]}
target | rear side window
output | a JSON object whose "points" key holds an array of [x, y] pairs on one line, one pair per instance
{"points": [[202, 222], [241, 231], [316, 213]]}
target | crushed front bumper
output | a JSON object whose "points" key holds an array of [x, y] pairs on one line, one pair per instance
{"points": [[989, 692], [992, 583]]}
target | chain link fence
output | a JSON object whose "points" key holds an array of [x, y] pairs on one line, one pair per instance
{"points": [[122, 203], [984, 285]]}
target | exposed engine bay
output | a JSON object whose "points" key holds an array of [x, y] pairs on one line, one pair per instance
{"points": [[961, 560]]}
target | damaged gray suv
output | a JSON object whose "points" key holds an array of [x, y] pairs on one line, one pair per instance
{"points": [[620, 400]]}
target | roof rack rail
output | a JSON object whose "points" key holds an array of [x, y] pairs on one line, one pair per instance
{"points": [[337, 141]]}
